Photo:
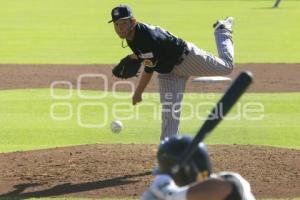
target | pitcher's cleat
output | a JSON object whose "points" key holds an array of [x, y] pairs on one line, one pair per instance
{"points": [[224, 24]]}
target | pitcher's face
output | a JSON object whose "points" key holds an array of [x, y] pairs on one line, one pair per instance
{"points": [[123, 27]]}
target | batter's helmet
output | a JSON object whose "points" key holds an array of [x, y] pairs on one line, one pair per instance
{"points": [[170, 151]]}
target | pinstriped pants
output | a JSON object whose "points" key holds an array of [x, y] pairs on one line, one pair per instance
{"points": [[197, 63]]}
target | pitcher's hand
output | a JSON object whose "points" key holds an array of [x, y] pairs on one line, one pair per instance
{"points": [[137, 97]]}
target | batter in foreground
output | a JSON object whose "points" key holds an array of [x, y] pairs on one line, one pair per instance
{"points": [[195, 181]]}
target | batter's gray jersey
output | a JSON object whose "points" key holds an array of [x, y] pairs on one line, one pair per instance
{"points": [[244, 184], [196, 63]]}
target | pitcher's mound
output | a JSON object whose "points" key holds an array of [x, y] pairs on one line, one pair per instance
{"points": [[124, 170]]}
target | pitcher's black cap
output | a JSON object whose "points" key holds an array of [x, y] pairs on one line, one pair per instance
{"points": [[121, 12]]}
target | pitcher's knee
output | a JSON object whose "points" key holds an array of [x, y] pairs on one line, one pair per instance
{"points": [[230, 68], [229, 65]]}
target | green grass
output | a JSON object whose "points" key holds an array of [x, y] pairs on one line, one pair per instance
{"points": [[76, 31], [26, 122]]}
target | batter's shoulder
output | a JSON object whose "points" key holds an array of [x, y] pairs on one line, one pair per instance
{"points": [[241, 187]]}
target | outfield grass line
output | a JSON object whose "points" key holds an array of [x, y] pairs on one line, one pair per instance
{"points": [[54, 31]]}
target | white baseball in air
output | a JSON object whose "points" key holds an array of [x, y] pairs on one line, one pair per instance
{"points": [[116, 126]]}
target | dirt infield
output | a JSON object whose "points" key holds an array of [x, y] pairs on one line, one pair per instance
{"points": [[124, 170], [268, 77]]}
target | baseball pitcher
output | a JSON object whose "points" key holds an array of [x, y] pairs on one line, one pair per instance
{"points": [[158, 50]]}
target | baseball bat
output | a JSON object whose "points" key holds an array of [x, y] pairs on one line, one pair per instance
{"points": [[233, 93]]}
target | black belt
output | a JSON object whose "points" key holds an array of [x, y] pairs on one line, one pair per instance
{"points": [[184, 53]]}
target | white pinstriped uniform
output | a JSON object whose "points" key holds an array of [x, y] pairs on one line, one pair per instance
{"points": [[197, 63]]}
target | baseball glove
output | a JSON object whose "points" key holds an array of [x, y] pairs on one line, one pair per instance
{"points": [[128, 67]]}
